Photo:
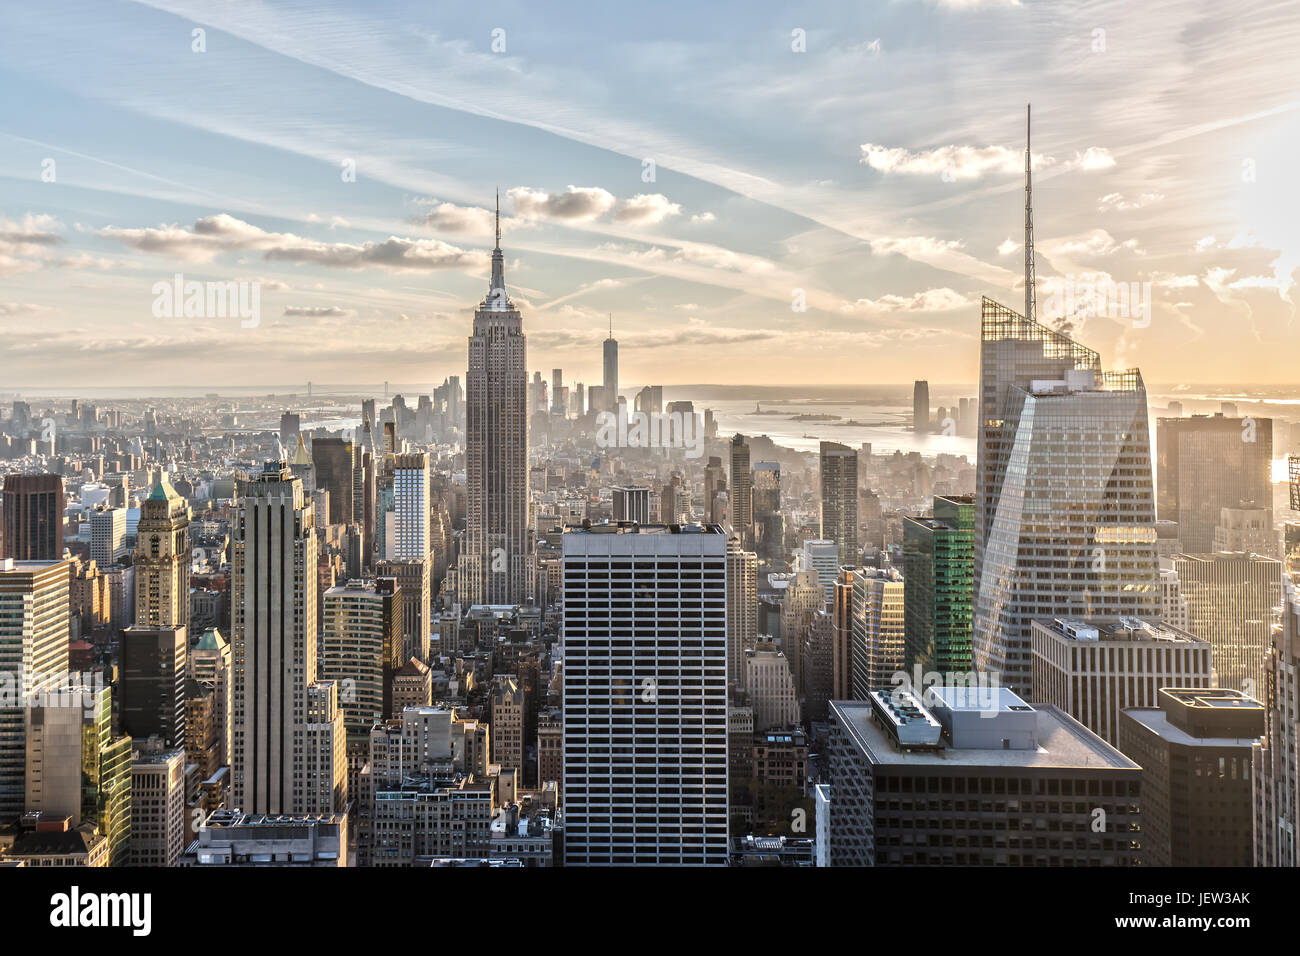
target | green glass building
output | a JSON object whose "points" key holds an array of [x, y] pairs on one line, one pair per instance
{"points": [[939, 582], [106, 776]]}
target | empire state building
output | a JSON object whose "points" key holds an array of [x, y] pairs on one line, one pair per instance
{"points": [[493, 566]]}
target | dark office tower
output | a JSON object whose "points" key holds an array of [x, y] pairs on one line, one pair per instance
{"points": [[558, 397], [842, 622], [742, 501], [152, 683], [715, 480], [938, 586], [611, 370], [390, 438], [336, 464], [368, 411], [363, 495], [33, 518], [769, 523], [290, 427], [493, 565], [162, 560], [839, 480], [362, 647], [1065, 514], [1195, 751], [921, 408], [1207, 463]]}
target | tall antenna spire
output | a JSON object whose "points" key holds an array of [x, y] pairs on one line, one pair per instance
{"points": [[498, 217], [611, 325], [1030, 303], [497, 287]]}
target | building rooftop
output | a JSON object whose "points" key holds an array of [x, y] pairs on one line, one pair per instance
{"points": [[1159, 723], [1129, 629], [1061, 743]]}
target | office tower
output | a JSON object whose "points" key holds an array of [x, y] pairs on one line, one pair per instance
{"points": [[335, 464], [507, 721], [1167, 542], [33, 651], [824, 558], [76, 769], [610, 393], [645, 756], [324, 763], [363, 498], [740, 491], [33, 518], [715, 481], [842, 622], [411, 505], [632, 504], [162, 560], [157, 805], [770, 684], [273, 648], [1205, 464], [1173, 606], [839, 487], [921, 407], [107, 536], [742, 608], [362, 647], [1246, 529], [210, 665], [1195, 749], [105, 774], [232, 838], [818, 654], [493, 568], [769, 523], [803, 597], [1230, 600], [559, 400], [290, 432], [152, 683], [412, 687], [1276, 761], [1094, 669], [203, 735], [1064, 516], [975, 779], [939, 586], [879, 634], [414, 579]]}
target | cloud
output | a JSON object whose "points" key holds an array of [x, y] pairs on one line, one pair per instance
{"points": [[647, 208], [8, 309], [1007, 246], [578, 204], [704, 217], [316, 312], [930, 300], [1118, 202], [449, 217], [972, 162], [1092, 159], [214, 235], [26, 242]]}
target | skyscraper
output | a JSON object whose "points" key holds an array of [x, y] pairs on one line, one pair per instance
{"points": [[1065, 510], [878, 632], [162, 559], [839, 486], [152, 683], [645, 752], [938, 585], [921, 407], [611, 370], [273, 618], [335, 462], [33, 518], [493, 564], [361, 648], [107, 536], [410, 507], [742, 608], [769, 523], [33, 648], [741, 491], [1205, 464]]}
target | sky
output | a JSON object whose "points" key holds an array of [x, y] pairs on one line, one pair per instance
{"points": [[751, 192]]}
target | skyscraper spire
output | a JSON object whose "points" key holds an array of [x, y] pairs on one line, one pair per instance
{"points": [[1030, 303], [496, 297]]}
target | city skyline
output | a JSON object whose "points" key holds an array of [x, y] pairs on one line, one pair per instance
{"points": [[884, 212]]}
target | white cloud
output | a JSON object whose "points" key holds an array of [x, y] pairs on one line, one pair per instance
{"points": [[578, 203], [647, 208]]}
